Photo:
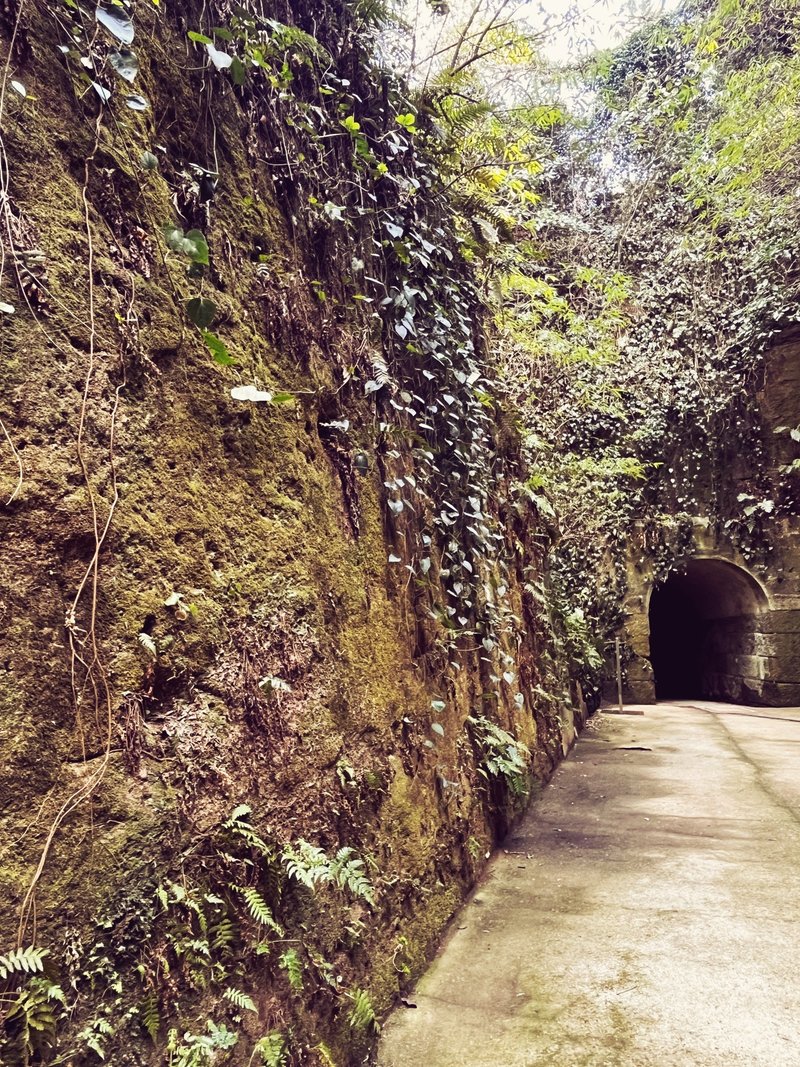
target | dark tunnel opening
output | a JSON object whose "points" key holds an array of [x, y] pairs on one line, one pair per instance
{"points": [[701, 624]]}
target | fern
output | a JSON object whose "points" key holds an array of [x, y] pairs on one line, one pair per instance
{"points": [[271, 1049], [238, 824], [223, 934], [380, 371], [311, 866], [290, 962], [22, 960], [347, 872], [307, 864], [94, 1034], [258, 908], [151, 1016], [148, 644], [30, 1021], [362, 1014], [239, 999], [325, 1054]]}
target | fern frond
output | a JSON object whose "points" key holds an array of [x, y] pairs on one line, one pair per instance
{"points": [[33, 1021], [239, 999], [307, 864], [380, 370], [362, 1014], [258, 908], [238, 824], [237, 814], [151, 1016], [325, 1054], [347, 872], [223, 934], [272, 1049], [23, 960], [291, 963], [148, 644]]}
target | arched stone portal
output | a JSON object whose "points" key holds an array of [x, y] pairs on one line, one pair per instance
{"points": [[705, 639]]}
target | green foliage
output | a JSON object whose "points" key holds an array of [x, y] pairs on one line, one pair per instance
{"points": [[240, 1000], [361, 1015], [193, 244], [311, 866], [240, 826], [151, 1016], [199, 1050], [95, 1035], [290, 962], [503, 757], [22, 961], [259, 909], [29, 1020], [271, 1050], [201, 311]]}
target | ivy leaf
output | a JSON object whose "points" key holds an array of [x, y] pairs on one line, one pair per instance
{"points": [[198, 38], [138, 103], [217, 349], [117, 21], [437, 728], [125, 64], [199, 249], [221, 60], [102, 92], [238, 71], [192, 244], [250, 392], [201, 311]]}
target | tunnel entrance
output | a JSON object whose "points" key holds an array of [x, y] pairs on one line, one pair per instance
{"points": [[703, 624]]}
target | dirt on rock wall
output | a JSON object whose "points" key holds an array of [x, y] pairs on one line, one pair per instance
{"points": [[251, 761]]}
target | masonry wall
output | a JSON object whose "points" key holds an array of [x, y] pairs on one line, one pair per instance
{"points": [[755, 657]]}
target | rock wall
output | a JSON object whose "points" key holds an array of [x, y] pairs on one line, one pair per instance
{"points": [[266, 697]]}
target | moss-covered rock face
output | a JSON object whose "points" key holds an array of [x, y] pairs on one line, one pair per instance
{"points": [[207, 606]]}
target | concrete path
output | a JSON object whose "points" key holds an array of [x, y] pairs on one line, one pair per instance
{"points": [[646, 913]]}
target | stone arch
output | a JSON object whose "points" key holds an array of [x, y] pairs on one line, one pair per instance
{"points": [[706, 640]]}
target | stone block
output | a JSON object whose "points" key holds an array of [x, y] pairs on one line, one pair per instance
{"points": [[777, 622]]}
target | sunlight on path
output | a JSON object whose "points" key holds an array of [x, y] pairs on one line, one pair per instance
{"points": [[644, 914]]}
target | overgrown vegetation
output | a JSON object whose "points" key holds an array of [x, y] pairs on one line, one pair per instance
{"points": [[638, 286]]}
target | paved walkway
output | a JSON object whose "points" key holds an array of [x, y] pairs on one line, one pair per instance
{"points": [[646, 913]]}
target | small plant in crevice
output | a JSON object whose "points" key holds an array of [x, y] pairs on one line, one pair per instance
{"points": [[502, 758], [361, 1015]]}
